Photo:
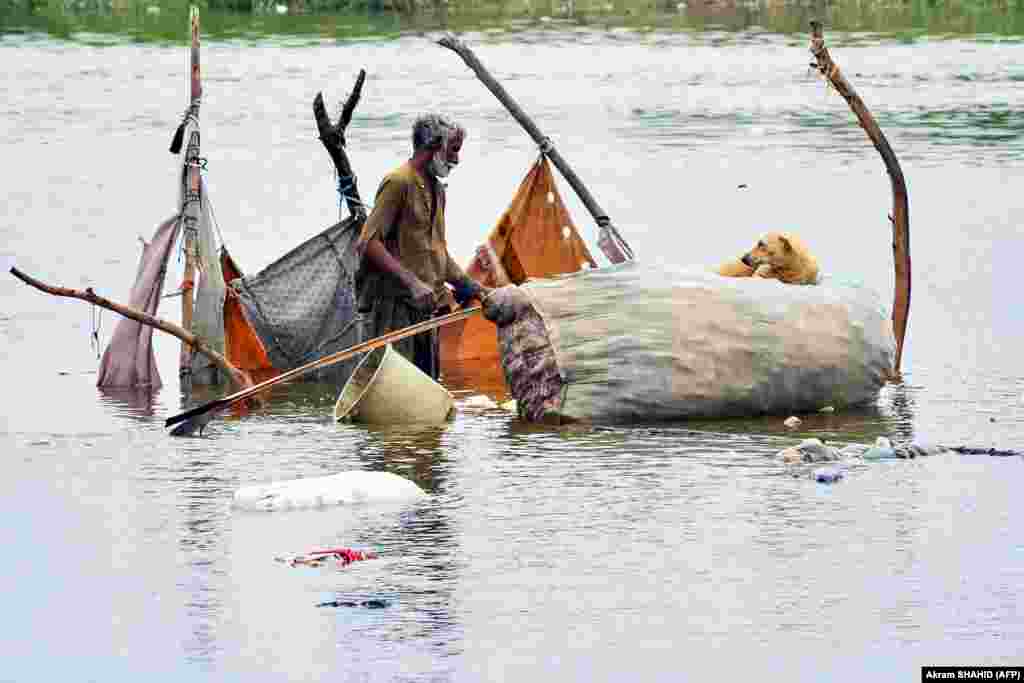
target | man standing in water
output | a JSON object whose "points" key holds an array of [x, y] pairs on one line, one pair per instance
{"points": [[405, 256]]}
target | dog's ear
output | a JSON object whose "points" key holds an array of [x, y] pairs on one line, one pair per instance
{"points": [[785, 243]]}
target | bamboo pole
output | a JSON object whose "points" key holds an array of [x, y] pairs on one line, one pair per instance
{"points": [[239, 377], [900, 217], [199, 416], [191, 200], [609, 240], [333, 138]]}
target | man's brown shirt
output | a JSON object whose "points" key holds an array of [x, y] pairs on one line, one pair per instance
{"points": [[401, 218]]}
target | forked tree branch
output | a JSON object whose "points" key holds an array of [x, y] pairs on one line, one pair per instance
{"points": [[332, 135]]}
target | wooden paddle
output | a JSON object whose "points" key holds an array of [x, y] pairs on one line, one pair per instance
{"points": [[198, 417]]}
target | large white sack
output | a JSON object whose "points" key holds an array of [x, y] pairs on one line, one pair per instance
{"points": [[643, 342], [345, 488]]}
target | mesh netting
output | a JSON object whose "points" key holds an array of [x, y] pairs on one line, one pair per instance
{"points": [[303, 306]]}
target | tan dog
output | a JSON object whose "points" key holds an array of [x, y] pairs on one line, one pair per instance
{"points": [[779, 256]]}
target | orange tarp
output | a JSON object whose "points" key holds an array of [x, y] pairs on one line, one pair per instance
{"points": [[535, 237], [243, 348]]}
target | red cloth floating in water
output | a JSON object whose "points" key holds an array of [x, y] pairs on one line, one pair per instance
{"points": [[345, 557]]}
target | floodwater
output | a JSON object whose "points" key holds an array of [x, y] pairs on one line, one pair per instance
{"points": [[645, 552]]}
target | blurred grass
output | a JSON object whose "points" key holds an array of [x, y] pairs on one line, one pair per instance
{"points": [[163, 20]]}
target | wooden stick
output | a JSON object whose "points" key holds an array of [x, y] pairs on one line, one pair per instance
{"points": [[333, 358], [239, 377], [900, 217], [191, 208], [610, 241], [333, 138]]}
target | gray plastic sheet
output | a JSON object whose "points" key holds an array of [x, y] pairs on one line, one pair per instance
{"points": [[208, 305]]}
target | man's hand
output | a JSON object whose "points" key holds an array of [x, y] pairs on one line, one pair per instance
{"points": [[505, 305], [422, 297], [467, 288]]}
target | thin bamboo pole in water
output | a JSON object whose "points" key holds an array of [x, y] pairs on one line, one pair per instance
{"points": [[194, 414], [610, 241], [191, 201], [900, 217]]}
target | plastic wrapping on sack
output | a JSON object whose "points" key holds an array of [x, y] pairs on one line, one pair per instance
{"points": [[641, 343], [303, 306], [208, 305], [535, 237], [128, 360]]}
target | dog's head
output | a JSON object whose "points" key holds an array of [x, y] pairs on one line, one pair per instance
{"points": [[774, 249]]}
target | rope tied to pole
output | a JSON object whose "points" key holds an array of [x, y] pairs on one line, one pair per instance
{"points": [[189, 117], [96, 315], [346, 187]]}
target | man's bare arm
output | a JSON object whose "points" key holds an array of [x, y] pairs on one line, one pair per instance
{"points": [[381, 259]]}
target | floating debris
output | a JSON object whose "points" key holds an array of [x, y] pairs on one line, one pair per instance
{"points": [[479, 401], [854, 450], [344, 488], [318, 558], [809, 450], [792, 422], [790, 456], [882, 450], [966, 450], [827, 475], [815, 451], [369, 604]]}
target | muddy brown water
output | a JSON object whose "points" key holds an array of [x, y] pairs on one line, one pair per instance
{"points": [[645, 552]]}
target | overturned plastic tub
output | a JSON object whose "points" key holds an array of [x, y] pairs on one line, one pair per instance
{"points": [[385, 388]]}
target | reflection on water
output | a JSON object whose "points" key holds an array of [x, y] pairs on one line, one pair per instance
{"points": [[132, 403], [200, 547], [414, 452]]}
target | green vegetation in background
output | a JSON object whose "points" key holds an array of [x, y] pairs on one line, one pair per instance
{"points": [[162, 20]]}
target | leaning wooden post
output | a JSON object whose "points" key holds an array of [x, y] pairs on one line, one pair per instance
{"points": [[191, 200], [900, 217], [610, 241], [333, 138], [239, 377]]}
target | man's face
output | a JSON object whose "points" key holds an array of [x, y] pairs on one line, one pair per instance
{"points": [[447, 156], [453, 148]]}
